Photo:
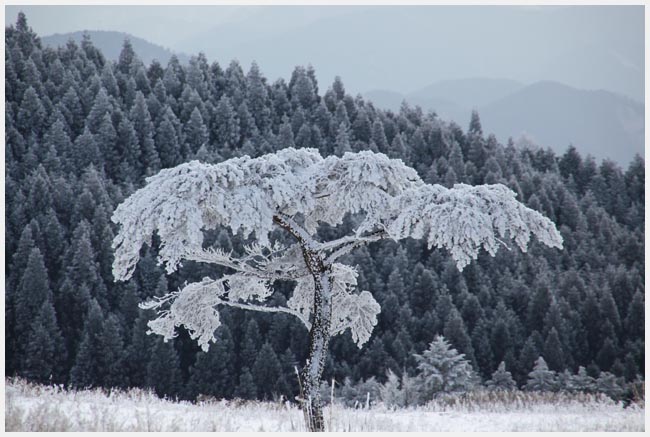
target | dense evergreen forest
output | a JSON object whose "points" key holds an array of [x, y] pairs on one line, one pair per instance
{"points": [[82, 133]]}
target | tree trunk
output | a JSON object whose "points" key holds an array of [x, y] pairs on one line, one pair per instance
{"points": [[319, 337]]}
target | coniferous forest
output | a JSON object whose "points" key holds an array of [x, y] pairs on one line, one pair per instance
{"points": [[83, 133]]}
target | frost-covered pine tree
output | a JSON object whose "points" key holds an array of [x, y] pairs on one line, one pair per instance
{"points": [[390, 392], [443, 369], [502, 379], [581, 381], [608, 383], [540, 378], [401, 391], [296, 191]]}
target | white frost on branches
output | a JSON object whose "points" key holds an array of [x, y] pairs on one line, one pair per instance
{"points": [[303, 190]]}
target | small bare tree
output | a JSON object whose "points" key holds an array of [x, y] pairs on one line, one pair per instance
{"points": [[297, 190]]}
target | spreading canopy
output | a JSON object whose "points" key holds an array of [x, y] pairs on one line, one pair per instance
{"points": [[301, 189]]}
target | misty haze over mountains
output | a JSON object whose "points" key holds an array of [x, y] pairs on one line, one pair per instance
{"points": [[449, 59]]}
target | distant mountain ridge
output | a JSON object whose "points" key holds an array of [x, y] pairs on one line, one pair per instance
{"points": [[110, 43], [596, 122]]}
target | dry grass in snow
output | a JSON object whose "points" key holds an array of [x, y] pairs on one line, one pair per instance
{"points": [[31, 407]]}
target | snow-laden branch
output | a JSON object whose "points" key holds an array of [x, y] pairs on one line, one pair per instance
{"points": [[195, 306], [353, 243], [465, 219]]}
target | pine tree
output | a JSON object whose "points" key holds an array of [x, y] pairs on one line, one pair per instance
{"points": [[608, 383], [106, 139], [138, 352], [144, 131], [88, 369], [443, 370], [456, 334], [58, 137], [634, 322], [86, 151], [100, 109], [361, 127], [540, 378], [163, 370], [285, 134], [501, 379], [33, 291], [258, 99], [196, 134], [342, 142], [45, 353], [379, 136], [250, 344], [553, 351], [31, 115], [581, 381], [127, 142], [112, 353], [167, 142], [390, 393], [225, 126], [213, 373], [246, 389], [302, 89], [607, 354], [267, 373]]}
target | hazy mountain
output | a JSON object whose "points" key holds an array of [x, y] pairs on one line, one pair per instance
{"points": [[451, 99], [110, 43], [598, 122], [468, 93], [601, 123]]}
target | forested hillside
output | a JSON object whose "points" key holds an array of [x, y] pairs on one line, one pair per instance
{"points": [[83, 133]]}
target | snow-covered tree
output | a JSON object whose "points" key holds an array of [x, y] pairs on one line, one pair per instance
{"points": [[443, 369], [581, 381], [501, 379], [401, 391], [540, 378], [296, 191], [608, 383]]}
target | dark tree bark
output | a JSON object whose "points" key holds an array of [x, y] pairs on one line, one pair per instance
{"points": [[319, 334]]}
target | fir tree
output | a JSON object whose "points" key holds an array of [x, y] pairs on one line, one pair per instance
{"points": [[213, 373], [246, 389], [541, 378], [501, 379], [33, 291], [88, 370], [443, 370], [608, 383], [112, 357], [581, 381], [267, 373], [167, 143], [45, 353], [163, 370], [196, 134]]}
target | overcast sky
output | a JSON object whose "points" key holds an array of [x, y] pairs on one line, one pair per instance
{"points": [[398, 48]]}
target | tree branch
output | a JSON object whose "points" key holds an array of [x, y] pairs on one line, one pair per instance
{"points": [[297, 231], [347, 244], [252, 307], [226, 261]]}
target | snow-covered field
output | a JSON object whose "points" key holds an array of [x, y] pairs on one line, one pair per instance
{"points": [[37, 408]]}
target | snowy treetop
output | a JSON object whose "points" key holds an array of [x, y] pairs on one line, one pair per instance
{"points": [[245, 194], [298, 190]]}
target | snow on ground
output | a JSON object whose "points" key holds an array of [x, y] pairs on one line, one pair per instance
{"points": [[38, 408]]}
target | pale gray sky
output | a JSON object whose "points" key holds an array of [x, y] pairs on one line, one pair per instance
{"points": [[398, 48]]}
